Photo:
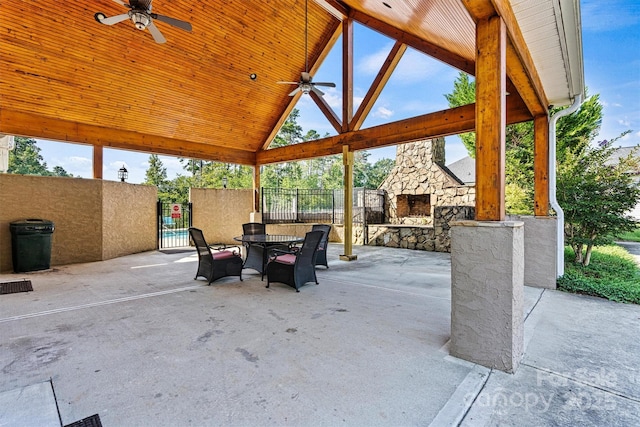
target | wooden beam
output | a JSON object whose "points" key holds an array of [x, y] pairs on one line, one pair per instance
{"points": [[541, 165], [327, 111], [256, 189], [389, 65], [97, 162], [441, 123], [523, 66], [27, 124], [347, 161], [491, 41], [347, 74], [464, 64], [335, 8], [521, 69]]}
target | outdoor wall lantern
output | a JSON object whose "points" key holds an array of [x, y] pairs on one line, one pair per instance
{"points": [[123, 174], [224, 182]]}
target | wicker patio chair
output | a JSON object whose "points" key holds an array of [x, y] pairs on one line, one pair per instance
{"points": [[295, 268], [215, 262], [254, 258], [321, 256]]}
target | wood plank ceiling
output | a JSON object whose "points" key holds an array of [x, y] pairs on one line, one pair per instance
{"points": [[64, 76]]}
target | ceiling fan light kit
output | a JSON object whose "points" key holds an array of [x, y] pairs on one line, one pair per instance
{"points": [[306, 84], [142, 17]]}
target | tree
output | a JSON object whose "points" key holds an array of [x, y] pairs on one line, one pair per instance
{"points": [[464, 93], [25, 159], [576, 130], [595, 196], [60, 171], [156, 174]]}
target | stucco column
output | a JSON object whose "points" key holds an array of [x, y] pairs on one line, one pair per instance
{"points": [[487, 292], [541, 265]]}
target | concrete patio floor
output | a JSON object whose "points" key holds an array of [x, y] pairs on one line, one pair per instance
{"points": [[139, 342]]}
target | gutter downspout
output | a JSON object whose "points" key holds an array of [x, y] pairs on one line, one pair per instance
{"points": [[552, 182]]}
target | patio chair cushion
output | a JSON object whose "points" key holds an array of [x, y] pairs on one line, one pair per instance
{"points": [[223, 255], [286, 259]]}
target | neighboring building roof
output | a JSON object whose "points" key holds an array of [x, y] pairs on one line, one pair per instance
{"points": [[622, 152], [464, 169]]}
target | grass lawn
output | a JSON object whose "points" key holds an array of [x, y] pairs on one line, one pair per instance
{"points": [[612, 274], [632, 236]]}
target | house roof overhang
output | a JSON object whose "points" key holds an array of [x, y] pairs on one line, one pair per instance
{"points": [[66, 77]]}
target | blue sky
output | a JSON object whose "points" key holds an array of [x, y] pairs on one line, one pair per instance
{"points": [[611, 48]]}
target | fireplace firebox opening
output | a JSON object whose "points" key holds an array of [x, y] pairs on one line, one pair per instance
{"points": [[413, 205]]}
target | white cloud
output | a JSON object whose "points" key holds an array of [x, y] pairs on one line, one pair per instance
{"points": [[370, 64], [383, 113], [624, 122], [332, 96], [415, 67]]}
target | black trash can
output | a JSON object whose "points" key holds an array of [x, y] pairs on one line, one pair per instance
{"points": [[31, 244]]}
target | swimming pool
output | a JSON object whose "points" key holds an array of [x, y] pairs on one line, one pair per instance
{"points": [[174, 238]]}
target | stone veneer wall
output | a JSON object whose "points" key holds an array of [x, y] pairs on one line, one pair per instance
{"points": [[425, 238], [420, 170]]}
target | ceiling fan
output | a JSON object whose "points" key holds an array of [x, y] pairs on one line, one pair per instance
{"points": [[140, 14], [306, 83]]}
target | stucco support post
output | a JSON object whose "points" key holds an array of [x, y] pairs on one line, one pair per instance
{"points": [[540, 231], [347, 160], [97, 162], [487, 255], [487, 293]]}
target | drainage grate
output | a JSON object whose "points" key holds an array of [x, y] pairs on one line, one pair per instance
{"points": [[13, 287], [92, 421]]}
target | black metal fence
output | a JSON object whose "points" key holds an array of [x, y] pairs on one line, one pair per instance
{"points": [[174, 220], [284, 205]]}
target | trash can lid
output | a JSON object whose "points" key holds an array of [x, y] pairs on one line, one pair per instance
{"points": [[32, 221], [31, 226]]}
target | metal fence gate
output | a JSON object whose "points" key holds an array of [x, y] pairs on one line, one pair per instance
{"points": [[284, 205], [174, 220]]}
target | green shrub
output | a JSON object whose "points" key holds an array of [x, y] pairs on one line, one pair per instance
{"points": [[612, 274]]}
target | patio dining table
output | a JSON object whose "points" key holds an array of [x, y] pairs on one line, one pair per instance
{"points": [[258, 246]]}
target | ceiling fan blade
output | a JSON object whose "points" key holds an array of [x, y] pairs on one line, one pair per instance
{"points": [[122, 3], [172, 21], [296, 90], [317, 91], [115, 19], [327, 84], [287, 83], [155, 32]]}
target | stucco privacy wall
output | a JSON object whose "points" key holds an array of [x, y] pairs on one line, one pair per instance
{"points": [[129, 220], [87, 227], [74, 205], [220, 213]]}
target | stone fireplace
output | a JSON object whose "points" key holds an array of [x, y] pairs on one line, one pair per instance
{"points": [[420, 182]]}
